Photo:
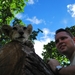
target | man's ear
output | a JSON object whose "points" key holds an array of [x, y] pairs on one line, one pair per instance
{"points": [[6, 29], [74, 39], [29, 29]]}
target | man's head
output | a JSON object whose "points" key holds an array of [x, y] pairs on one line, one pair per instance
{"points": [[65, 41], [65, 30], [17, 32]]}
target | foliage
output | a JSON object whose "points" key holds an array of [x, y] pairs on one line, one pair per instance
{"points": [[34, 34], [71, 29], [50, 50], [17, 21], [9, 8]]}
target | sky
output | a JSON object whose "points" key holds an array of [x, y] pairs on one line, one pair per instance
{"points": [[48, 15]]}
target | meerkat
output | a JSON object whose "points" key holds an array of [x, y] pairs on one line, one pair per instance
{"points": [[19, 33]]}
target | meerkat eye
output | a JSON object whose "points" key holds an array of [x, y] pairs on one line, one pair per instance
{"points": [[24, 28], [14, 28]]}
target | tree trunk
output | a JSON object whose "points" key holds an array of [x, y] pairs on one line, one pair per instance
{"points": [[19, 59]]}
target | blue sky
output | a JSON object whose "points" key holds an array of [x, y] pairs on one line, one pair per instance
{"points": [[48, 15]]}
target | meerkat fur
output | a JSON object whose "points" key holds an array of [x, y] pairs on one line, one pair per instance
{"points": [[17, 32]]}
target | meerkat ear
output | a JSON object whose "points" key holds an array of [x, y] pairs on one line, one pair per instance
{"points": [[6, 29], [29, 29]]}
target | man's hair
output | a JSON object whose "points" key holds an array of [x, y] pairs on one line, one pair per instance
{"points": [[65, 30]]}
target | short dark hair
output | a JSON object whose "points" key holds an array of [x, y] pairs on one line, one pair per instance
{"points": [[65, 30]]}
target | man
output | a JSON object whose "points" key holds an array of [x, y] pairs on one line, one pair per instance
{"points": [[65, 44]]}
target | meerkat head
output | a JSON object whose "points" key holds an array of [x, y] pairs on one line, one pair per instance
{"points": [[17, 32]]}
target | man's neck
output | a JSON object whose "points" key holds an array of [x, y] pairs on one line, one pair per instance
{"points": [[70, 55]]}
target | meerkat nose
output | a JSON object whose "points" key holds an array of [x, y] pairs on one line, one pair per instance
{"points": [[21, 33]]}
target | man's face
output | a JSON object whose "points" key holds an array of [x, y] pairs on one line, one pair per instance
{"points": [[64, 43]]}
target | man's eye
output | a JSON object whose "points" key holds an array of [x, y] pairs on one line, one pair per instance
{"points": [[14, 28], [62, 38]]}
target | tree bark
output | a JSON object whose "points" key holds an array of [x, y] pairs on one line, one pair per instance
{"points": [[18, 59]]}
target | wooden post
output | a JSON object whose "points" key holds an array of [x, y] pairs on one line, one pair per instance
{"points": [[18, 59]]}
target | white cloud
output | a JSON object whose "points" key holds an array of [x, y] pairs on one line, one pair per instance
{"points": [[34, 20], [39, 46], [71, 9], [47, 37], [32, 1], [20, 16], [64, 21], [45, 31], [47, 34]]}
